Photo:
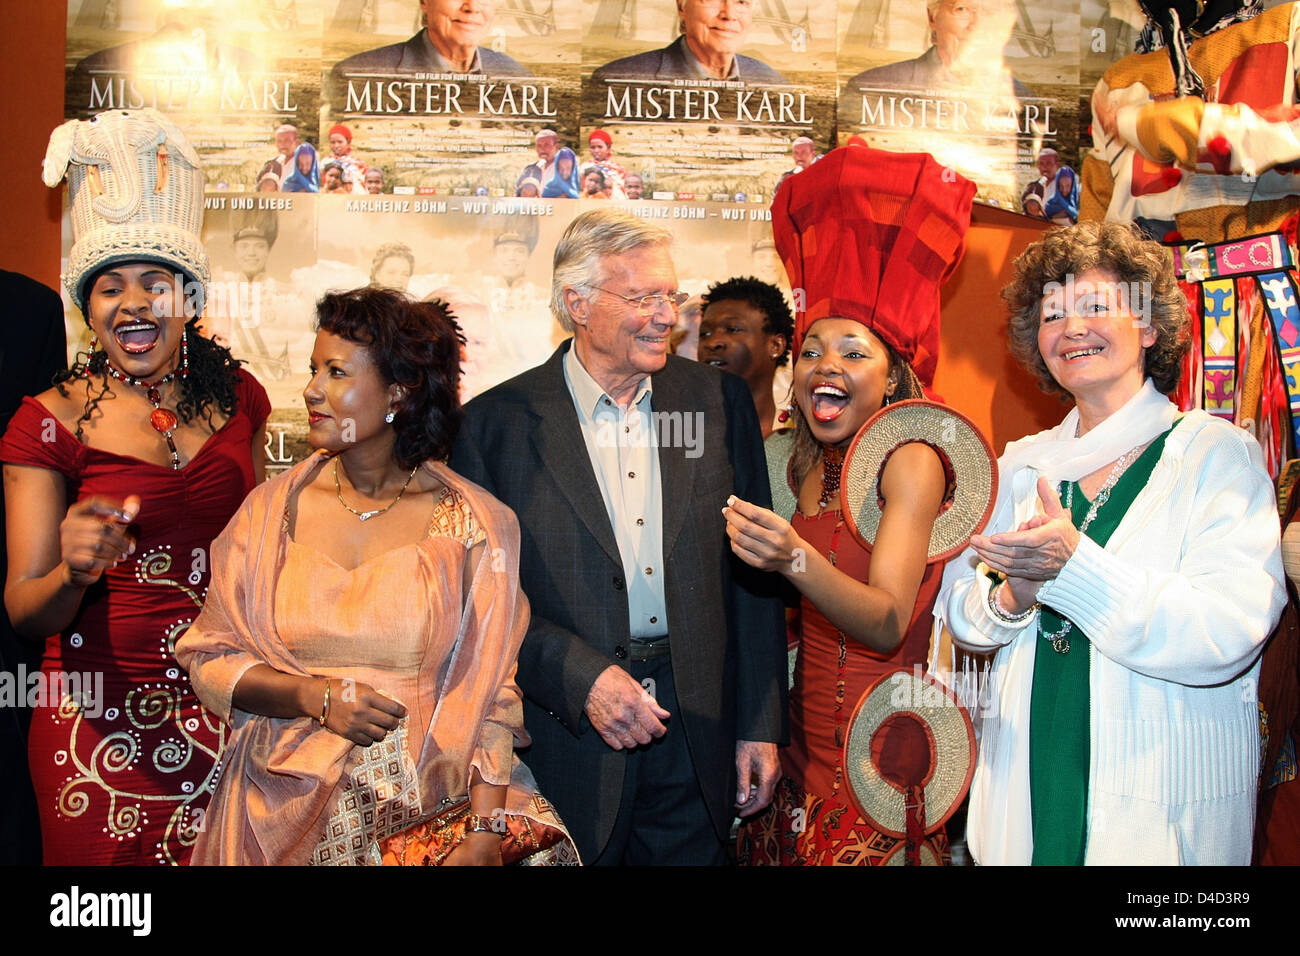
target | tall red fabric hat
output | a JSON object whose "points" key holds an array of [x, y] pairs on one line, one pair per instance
{"points": [[871, 235]]}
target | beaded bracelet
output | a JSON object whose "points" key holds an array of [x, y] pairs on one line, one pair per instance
{"points": [[1004, 616]]}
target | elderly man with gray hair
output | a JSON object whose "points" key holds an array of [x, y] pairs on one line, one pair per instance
{"points": [[804, 153], [547, 143], [654, 666], [449, 43], [954, 24], [286, 144]]}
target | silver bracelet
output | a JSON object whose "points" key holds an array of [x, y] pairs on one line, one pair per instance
{"points": [[1003, 616]]}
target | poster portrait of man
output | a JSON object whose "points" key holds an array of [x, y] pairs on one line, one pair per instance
{"points": [[712, 34], [255, 305], [723, 119], [981, 85], [188, 36], [452, 108], [211, 65], [963, 33], [452, 41]]}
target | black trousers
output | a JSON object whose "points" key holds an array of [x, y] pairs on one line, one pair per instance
{"points": [[662, 818]]}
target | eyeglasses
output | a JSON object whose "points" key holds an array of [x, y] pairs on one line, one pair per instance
{"points": [[648, 305]]}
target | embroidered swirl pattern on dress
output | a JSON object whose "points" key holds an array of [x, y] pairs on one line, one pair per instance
{"points": [[175, 741]]}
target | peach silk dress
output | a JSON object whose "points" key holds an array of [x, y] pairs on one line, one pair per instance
{"points": [[292, 792]]}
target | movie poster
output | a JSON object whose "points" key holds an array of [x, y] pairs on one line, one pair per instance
{"points": [[446, 98], [372, 163], [262, 250], [984, 87], [229, 73], [489, 259], [700, 100], [1110, 31]]}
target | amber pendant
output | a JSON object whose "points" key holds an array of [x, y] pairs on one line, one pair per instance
{"points": [[163, 420]]}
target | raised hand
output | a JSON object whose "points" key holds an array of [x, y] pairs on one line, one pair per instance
{"points": [[761, 538], [93, 538]]}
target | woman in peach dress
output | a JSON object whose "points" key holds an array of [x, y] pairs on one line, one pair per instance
{"points": [[363, 623]]}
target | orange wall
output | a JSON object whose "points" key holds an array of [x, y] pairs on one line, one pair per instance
{"points": [[31, 74], [975, 373]]}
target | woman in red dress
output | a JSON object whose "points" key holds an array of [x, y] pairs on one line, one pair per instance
{"points": [[116, 482], [874, 296]]}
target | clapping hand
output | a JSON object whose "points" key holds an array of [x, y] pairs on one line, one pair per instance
{"points": [[1036, 551]]}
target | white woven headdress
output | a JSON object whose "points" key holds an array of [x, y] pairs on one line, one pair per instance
{"points": [[136, 194]]}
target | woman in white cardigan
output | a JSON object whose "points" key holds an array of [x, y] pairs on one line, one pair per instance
{"points": [[1128, 580]]}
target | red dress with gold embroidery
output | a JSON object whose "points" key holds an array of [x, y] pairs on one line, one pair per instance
{"points": [[812, 820], [124, 760]]}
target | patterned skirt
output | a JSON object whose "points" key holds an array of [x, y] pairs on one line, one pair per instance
{"points": [[803, 829], [381, 819]]}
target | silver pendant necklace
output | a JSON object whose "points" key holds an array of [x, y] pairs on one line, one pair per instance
{"points": [[1059, 639]]}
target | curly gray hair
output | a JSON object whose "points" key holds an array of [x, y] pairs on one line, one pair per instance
{"points": [[1122, 251]]}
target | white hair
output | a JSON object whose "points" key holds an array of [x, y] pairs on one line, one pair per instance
{"points": [[590, 238]]}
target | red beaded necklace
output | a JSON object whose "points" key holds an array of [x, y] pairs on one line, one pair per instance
{"points": [[832, 464], [163, 420], [832, 468]]}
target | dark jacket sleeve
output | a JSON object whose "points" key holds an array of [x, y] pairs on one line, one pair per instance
{"points": [[756, 612], [557, 668]]}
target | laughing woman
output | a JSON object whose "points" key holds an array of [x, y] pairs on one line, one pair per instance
{"points": [[1128, 579], [863, 613], [116, 482]]}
